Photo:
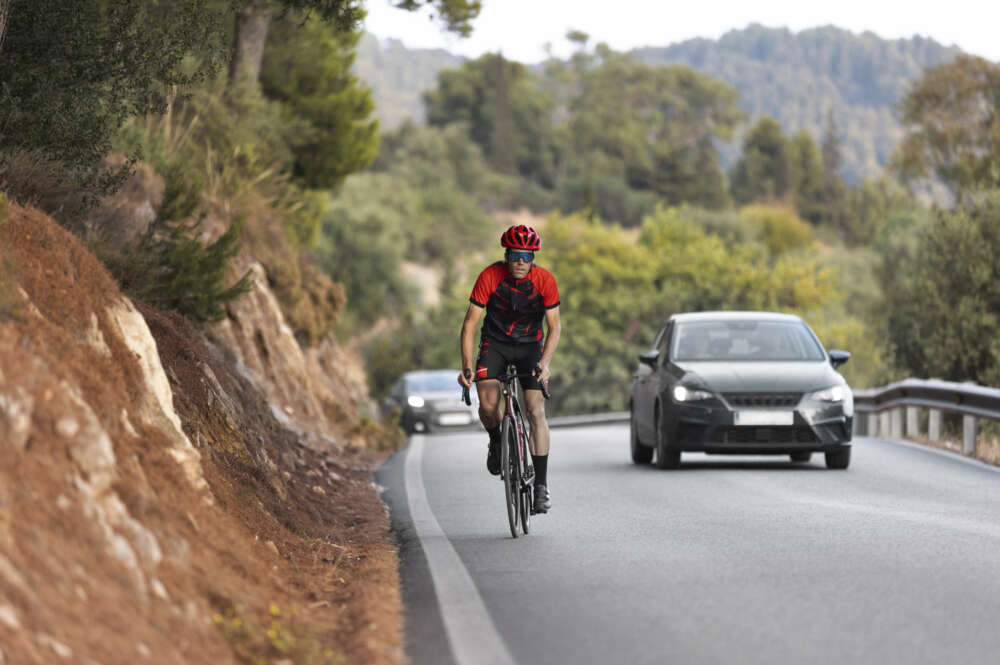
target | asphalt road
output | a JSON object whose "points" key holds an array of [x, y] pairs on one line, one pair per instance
{"points": [[727, 560]]}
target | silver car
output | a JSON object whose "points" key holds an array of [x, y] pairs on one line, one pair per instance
{"points": [[431, 400]]}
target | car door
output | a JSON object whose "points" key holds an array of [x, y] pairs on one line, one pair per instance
{"points": [[645, 391], [659, 377]]}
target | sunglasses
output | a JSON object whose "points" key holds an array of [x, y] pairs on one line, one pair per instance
{"points": [[524, 257]]}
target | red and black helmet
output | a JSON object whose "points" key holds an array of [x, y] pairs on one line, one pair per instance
{"points": [[521, 237]]}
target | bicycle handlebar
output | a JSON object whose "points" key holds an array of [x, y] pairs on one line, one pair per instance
{"points": [[502, 378]]}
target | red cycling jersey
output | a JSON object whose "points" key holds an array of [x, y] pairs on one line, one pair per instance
{"points": [[514, 309]]}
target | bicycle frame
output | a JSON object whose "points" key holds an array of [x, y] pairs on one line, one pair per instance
{"points": [[516, 467]]}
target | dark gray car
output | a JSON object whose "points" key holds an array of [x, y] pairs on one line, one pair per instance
{"points": [[740, 383], [430, 400]]}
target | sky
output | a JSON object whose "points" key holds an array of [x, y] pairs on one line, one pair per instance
{"points": [[520, 29]]}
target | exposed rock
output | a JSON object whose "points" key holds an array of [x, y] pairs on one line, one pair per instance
{"points": [[159, 589], [67, 427], [8, 617], [15, 415], [94, 338], [158, 406], [59, 648]]}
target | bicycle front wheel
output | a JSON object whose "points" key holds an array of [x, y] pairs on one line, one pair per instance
{"points": [[524, 481], [511, 472]]}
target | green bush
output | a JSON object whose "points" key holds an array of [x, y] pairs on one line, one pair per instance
{"points": [[944, 304], [170, 268]]}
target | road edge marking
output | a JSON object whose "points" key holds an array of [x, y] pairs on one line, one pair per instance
{"points": [[473, 637], [941, 452]]}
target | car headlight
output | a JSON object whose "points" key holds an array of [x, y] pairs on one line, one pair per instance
{"points": [[685, 394], [416, 401], [832, 394]]}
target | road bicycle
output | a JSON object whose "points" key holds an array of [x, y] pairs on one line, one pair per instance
{"points": [[516, 467]]}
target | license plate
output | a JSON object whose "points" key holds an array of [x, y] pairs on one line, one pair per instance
{"points": [[763, 418], [454, 419]]}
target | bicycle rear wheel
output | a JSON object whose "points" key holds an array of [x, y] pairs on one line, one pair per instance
{"points": [[511, 472]]}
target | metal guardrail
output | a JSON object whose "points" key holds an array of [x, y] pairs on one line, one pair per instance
{"points": [[885, 407]]}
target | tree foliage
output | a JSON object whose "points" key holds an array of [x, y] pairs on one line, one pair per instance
{"points": [[766, 169], [603, 132], [860, 77], [658, 122], [944, 302], [307, 68], [505, 110], [952, 126], [73, 72]]}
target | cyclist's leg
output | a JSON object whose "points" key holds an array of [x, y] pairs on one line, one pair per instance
{"points": [[534, 404], [534, 407], [489, 363], [489, 403]]}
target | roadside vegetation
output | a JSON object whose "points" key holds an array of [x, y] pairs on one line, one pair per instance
{"points": [[616, 158], [617, 161]]}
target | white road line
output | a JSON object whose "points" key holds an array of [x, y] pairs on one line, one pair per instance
{"points": [[473, 637]]}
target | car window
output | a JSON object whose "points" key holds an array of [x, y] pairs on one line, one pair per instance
{"points": [[745, 340], [429, 383]]}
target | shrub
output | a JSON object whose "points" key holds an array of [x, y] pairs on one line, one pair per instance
{"points": [[170, 268]]}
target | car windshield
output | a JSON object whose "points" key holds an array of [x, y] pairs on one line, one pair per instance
{"points": [[745, 340], [432, 383]]}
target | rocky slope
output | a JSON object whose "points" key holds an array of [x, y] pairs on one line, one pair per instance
{"points": [[173, 495]]}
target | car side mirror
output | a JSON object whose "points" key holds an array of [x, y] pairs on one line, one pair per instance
{"points": [[838, 357], [649, 357]]}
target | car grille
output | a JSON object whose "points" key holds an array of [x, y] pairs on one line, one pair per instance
{"points": [[781, 434], [762, 399], [690, 433]]}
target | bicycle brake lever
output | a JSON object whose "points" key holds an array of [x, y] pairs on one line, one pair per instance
{"points": [[465, 389]]}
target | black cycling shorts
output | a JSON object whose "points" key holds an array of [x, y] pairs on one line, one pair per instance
{"points": [[494, 356]]}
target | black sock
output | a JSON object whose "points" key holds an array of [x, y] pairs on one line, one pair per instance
{"points": [[494, 433], [541, 463]]}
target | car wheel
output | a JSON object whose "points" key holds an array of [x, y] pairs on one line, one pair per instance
{"points": [[666, 457], [839, 459], [801, 457], [641, 453]]}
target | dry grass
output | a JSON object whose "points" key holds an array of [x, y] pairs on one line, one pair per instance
{"points": [[289, 528]]}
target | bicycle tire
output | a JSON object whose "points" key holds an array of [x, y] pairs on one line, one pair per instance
{"points": [[511, 474], [524, 489]]}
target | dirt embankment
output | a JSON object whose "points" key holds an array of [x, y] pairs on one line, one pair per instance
{"points": [[156, 506]]}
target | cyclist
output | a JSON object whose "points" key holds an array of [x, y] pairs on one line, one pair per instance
{"points": [[516, 295]]}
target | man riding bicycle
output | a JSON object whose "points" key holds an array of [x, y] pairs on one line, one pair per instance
{"points": [[516, 296]]}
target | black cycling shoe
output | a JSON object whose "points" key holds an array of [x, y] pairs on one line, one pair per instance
{"points": [[493, 459], [543, 501]]}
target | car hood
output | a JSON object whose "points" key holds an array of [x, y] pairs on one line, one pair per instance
{"points": [[442, 396], [762, 376]]}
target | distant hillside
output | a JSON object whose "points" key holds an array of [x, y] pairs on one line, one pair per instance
{"points": [[796, 77], [398, 75]]}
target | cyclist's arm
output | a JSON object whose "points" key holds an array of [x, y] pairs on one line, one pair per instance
{"points": [[551, 339], [468, 340]]}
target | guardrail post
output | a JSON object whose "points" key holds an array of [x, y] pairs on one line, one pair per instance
{"points": [[934, 425], [897, 423], [872, 428], [884, 430], [969, 435], [912, 422]]}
